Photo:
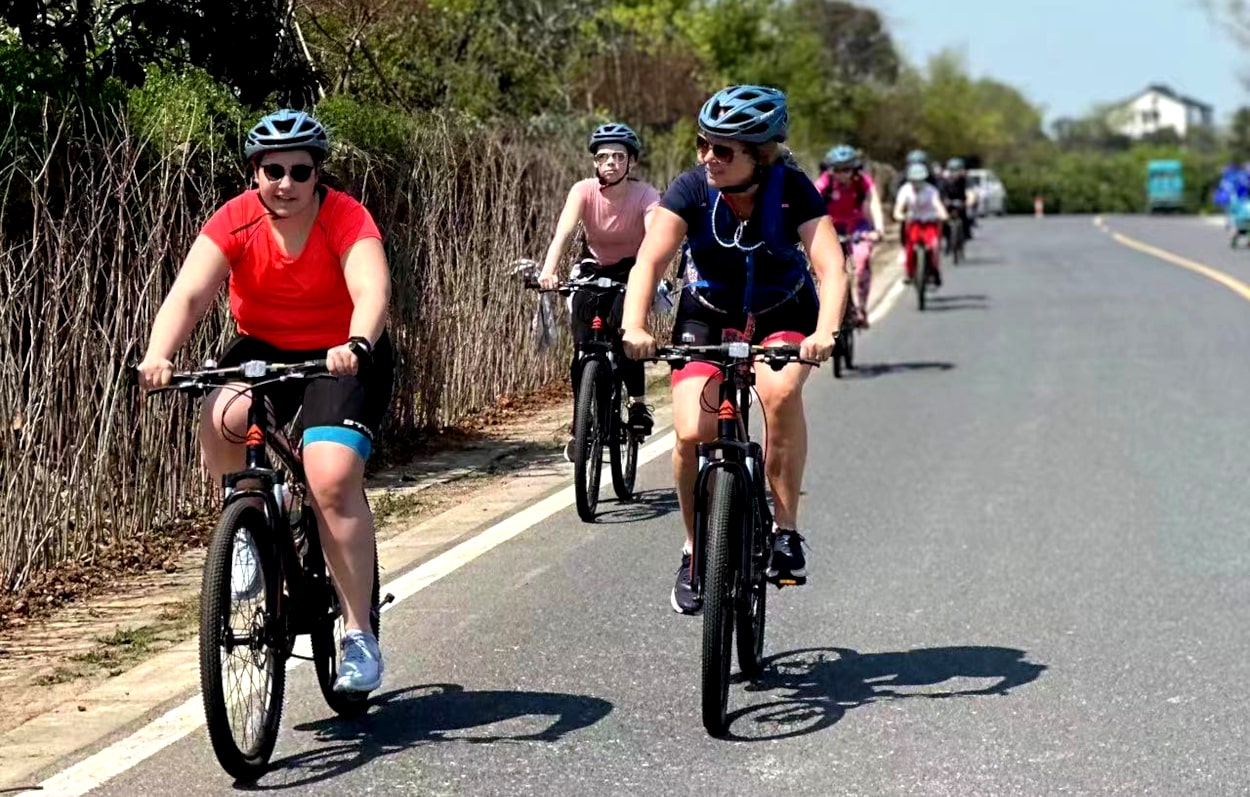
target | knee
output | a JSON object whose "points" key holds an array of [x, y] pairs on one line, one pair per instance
{"points": [[334, 480]]}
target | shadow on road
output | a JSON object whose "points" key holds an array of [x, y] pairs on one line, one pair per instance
{"points": [[647, 505], [815, 687], [937, 303], [873, 370], [419, 715]]}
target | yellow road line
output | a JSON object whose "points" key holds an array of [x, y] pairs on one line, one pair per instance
{"points": [[1232, 283]]}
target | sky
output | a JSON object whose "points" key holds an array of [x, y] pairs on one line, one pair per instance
{"points": [[1068, 55]]}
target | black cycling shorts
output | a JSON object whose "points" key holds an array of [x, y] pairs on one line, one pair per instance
{"points": [[345, 409], [699, 325]]}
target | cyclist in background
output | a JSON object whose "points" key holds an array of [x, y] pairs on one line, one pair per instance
{"points": [[853, 205], [957, 197], [614, 209], [919, 205]]}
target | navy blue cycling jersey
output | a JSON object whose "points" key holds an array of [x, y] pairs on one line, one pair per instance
{"points": [[722, 270]]}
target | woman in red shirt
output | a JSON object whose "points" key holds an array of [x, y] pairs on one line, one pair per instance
{"points": [[308, 279]]}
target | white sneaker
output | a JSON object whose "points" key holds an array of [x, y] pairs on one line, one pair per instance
{"points": [[245, 575], [360, 667]]}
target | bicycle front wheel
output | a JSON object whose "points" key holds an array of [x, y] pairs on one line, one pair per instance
{"points": [[719, 585], [588, 441], [957, 242], [242, 636]]}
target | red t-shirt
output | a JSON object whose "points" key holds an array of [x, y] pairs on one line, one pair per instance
{"points": [[293, 303]]}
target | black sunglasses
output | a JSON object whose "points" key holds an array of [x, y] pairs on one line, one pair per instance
{"points": [[300, 172], [722, 152]]}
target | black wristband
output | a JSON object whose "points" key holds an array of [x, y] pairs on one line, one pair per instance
{"points": [[362, 348]]}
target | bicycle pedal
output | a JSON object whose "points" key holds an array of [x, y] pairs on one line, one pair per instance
{"points": [[789, 581]]}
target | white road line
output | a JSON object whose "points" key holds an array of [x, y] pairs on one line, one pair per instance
{"points": [[177, 723]]}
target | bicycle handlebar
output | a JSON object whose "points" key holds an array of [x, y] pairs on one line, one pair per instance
{"points": [[252, 372], [730, 354]]}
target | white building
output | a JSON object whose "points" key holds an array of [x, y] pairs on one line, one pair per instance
{"points": [[1155, 108]]}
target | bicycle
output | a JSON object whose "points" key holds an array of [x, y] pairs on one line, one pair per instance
{"points": [[284, 592], [844, 345], [733, 537], [924, 274], [601, 414]]}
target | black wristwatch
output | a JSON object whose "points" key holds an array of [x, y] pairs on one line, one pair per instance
{"points": [[362, 348]]}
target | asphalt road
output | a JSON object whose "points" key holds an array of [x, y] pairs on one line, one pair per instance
{"points": [[1030, 557]]}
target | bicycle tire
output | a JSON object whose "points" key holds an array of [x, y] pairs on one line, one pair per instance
{"points": [[719, 581], [327, 636], [922, 275], [216, 604], [624, 449], [957, 241], [587, 442], [848, 349], [752, 610]]}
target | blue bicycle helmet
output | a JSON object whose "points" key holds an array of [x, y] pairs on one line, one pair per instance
{"points": [[955, 165], [613, 133], [751, 114], [286, 130], [842, 155], [917, 172], [917, 156]]}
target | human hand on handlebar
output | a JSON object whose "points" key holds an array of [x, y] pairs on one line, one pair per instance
{"points": [[638, 344], [548, 280], [817, 348], [154, 372]]}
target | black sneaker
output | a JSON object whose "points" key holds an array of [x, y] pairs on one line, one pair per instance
{"points": [[788, 560], [683, 598], [640, 419]]}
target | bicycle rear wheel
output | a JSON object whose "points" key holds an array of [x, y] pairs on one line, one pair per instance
{"points": [[242, 667], [719, 583], [588, 441], [922, 274], [957, 241], [623, 450], [328, 631]]}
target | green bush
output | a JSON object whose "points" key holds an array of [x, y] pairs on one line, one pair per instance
{"points": [[1103, 182], [182, 113]]}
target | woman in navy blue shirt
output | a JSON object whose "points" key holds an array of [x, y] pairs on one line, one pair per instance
{"points": [[748, 219]]}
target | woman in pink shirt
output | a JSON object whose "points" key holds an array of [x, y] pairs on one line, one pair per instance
{"points": [[613, 208], [853, 205]]}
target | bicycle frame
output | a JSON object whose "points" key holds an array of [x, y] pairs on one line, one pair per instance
{"points": [[732, 451], [258, 468]]}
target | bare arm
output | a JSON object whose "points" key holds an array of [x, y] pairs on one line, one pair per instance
{"points": [[943, 213], [874, 210], [665, 232], [569, 218], [203, 271], [900, 205], [825, 253], [369, 283]]}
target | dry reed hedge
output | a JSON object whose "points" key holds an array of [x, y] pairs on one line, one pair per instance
{"points": [[92, 232]]}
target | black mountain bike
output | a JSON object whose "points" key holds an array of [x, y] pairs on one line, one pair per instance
{"points": [[601, 414], [265, 582], [733, 537]]}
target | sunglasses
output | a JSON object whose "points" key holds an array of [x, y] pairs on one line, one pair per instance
{"points": [[722, 152], [615, 157], [300, 172]]}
